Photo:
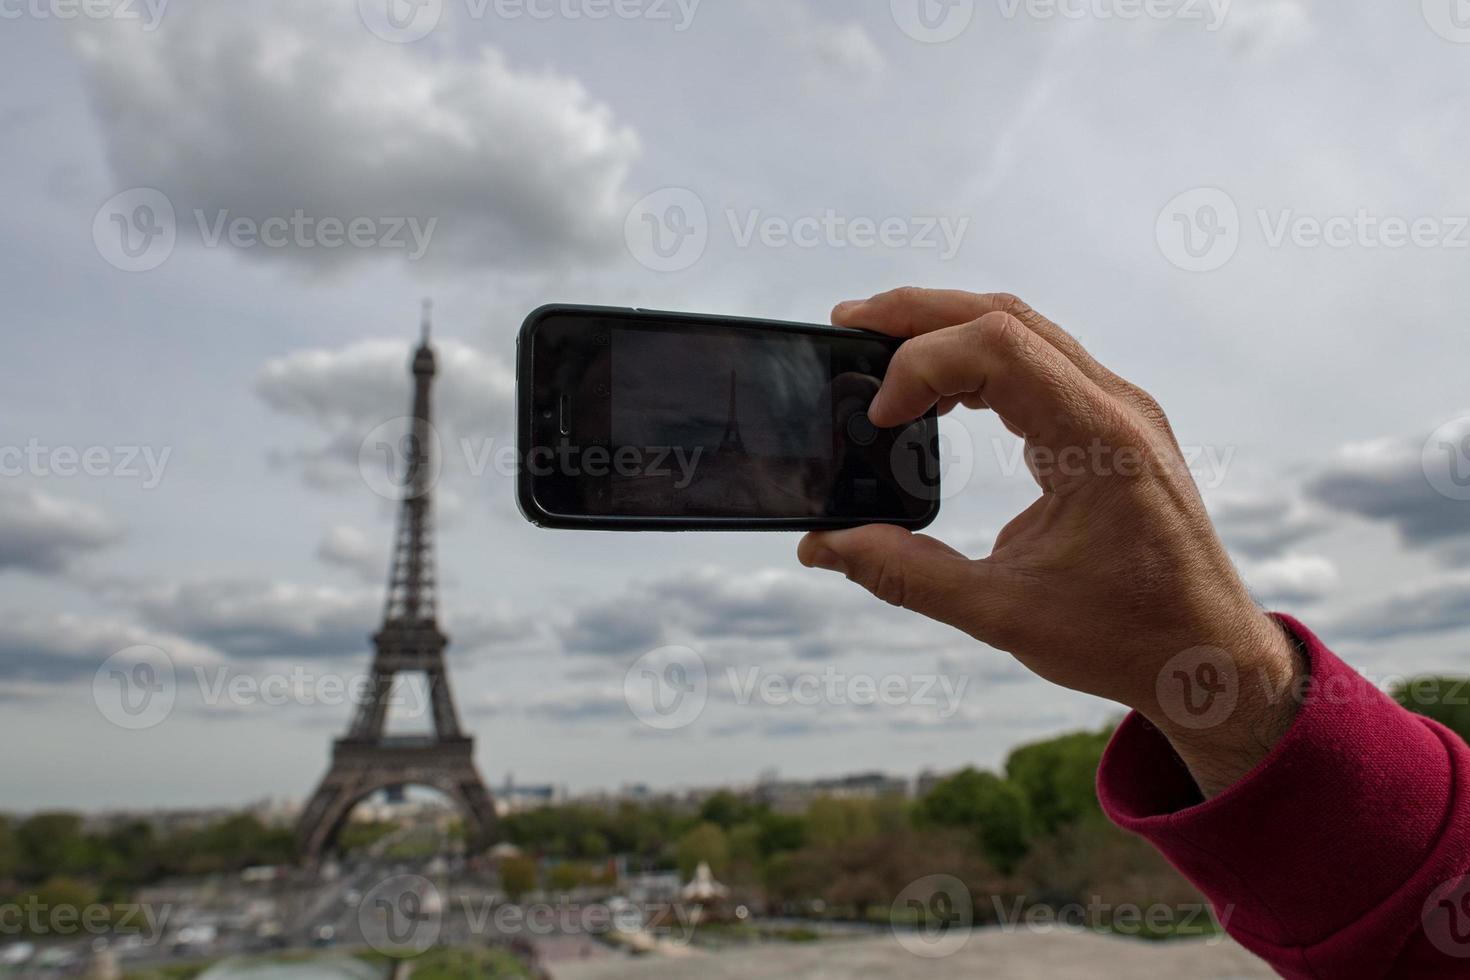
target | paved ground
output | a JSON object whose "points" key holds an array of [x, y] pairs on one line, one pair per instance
{"points": [[1004, 956]]}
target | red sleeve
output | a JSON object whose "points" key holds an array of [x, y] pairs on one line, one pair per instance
{"points": [[1343, 854]]}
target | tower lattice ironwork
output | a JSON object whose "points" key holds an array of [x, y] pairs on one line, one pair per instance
{"points": [[410, 641]]}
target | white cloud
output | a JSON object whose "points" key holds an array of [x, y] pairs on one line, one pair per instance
{"points": [[42, 533], [1291, 578], [265, 109], [844, 49], [350, 391], [351, 548], [1263, 29]]}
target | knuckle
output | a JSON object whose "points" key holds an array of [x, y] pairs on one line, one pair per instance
{"points": [[1001, 333], [1148, 405], [902, 296], [1007, 303]]}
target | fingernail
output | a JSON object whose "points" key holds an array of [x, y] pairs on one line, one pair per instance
{"points": [[847, 306], [830, 560]]}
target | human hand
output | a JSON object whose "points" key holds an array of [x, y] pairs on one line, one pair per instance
{"points": [[1103, 582]]}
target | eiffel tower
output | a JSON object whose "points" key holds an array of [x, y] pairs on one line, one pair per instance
{"points": [[731, 441], [367, 760]]}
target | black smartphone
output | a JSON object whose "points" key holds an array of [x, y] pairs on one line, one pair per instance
{"points": [[644, 420]]}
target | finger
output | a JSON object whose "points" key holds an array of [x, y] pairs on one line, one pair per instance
{"points": [[1027, 382], [910, 570], [910, 311]]}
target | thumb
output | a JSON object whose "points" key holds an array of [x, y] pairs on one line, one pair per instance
{"points": [[904, 569]]}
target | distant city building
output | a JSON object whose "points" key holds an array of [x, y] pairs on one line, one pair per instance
{"points": [[512, 797], [794, 796]]}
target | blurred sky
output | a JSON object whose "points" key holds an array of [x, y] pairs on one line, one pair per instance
{"points": [[1309, 375]]}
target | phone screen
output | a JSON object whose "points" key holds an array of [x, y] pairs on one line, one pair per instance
{"points": [[713, 421]]}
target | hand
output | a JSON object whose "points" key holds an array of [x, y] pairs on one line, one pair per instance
{"points": [[1103, 582]]}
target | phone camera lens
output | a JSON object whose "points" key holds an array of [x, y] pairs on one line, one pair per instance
{"points": [[600, 339]]}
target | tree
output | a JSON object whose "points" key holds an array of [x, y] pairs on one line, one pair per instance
{"points": [[724, 809], [1059, 777], [517, 876], [592, 845], [51, 844], [780, 832], [9, 850], [705, 843], [995, 810], [832, 821]]}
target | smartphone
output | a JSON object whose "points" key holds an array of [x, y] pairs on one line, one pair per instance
{"points": [[644, 420]]}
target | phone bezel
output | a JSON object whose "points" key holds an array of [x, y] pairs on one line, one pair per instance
{"points": [[528, 417]]}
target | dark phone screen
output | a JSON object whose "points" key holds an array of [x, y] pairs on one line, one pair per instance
{"points": [[747, 423], [709, 421]]}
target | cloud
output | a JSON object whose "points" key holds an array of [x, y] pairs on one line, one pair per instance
{"points": [[1262, 526], [613, 628], [57, 649], [841, 48], [705, 605], [731, 616], [258, 620], [43, 534], [1385, 480], [351, 548], [349, 392], [1436, 605], [1263, 29], [279, 106], [1290, 579]]}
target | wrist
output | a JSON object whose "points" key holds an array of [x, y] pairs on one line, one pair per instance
{"points": [[1224, 706]]}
